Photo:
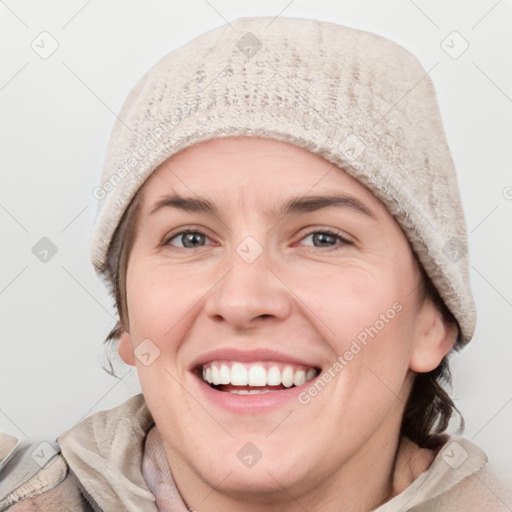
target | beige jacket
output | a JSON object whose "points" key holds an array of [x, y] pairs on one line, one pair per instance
{"points": [[96, 466]]}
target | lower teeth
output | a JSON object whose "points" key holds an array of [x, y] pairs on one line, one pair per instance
{"points": [[248, 391]]}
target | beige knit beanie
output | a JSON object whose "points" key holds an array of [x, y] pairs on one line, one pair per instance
{"points": [[357, 99]]}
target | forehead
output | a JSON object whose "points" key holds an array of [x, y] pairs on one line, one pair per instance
{"points": [[251, 167]]}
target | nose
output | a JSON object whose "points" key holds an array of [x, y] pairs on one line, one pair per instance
{"points": [[249, 293]]}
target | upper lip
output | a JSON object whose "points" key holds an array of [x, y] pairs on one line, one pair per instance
{"points": [[252, 355]]}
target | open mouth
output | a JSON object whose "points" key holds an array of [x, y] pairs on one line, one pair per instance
{"points": [[254, 378]]}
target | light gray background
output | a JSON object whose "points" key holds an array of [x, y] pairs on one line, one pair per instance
{"points": [[55, 119]]}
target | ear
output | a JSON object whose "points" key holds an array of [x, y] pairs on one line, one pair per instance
{"points": [[125, 348], [434, 338]]}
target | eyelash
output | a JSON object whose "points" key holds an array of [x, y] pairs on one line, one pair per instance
{"points": [[329, 232]]}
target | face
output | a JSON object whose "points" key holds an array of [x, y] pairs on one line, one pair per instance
{"points": [[305, 317]]}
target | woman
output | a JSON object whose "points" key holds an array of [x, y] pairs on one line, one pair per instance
{"points": [[281, 228]]}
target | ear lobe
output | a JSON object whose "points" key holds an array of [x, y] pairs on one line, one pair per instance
{"points": [[125, 348], [434, 339]]}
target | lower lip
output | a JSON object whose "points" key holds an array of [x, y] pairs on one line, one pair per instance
{"points": [[250, 403]]}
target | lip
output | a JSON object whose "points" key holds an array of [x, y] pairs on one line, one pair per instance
{"points": [[246, 356], [248, 403]]}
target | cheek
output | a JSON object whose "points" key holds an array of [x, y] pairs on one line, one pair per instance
{"points": [[161, 308], [365, 316], [152, 298], [348, 300], [162, 301]]}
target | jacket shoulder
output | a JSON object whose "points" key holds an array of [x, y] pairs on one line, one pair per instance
{"points": [[483, 490], [35, 476]]}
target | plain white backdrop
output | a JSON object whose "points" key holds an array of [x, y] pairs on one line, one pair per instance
{"points": [[56, 113]]}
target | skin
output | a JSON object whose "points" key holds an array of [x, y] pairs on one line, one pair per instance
{"points": [[307, 299]]}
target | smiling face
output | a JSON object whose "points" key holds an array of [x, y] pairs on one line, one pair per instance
{"points": [[287, 326]]}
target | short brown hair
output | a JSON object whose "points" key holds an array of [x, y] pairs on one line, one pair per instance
{"points": [[429, 407]]}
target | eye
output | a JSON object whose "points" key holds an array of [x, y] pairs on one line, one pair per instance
{"points": [[326, 238], [189, 239]]}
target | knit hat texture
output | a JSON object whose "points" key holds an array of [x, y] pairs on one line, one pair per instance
{"points": [[357, 99]]}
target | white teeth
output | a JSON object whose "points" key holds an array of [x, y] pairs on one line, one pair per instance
{"points": [[256, 375], [274, 376], [248, 391], [239, 375], [287, 377], [215, 375], [225, 374], [299, 378]]}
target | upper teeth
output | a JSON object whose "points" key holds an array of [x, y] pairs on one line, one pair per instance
{"points": [[256, 374]]}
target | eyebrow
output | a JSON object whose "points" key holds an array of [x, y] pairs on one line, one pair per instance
{"points": [[295, 205]]}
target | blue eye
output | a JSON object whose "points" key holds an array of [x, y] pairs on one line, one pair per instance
{"points": [[324, 237], [189, 239]]}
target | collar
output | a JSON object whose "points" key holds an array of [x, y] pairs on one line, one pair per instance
{"points": [[157, 474], [105, 450], [457, 459]]}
